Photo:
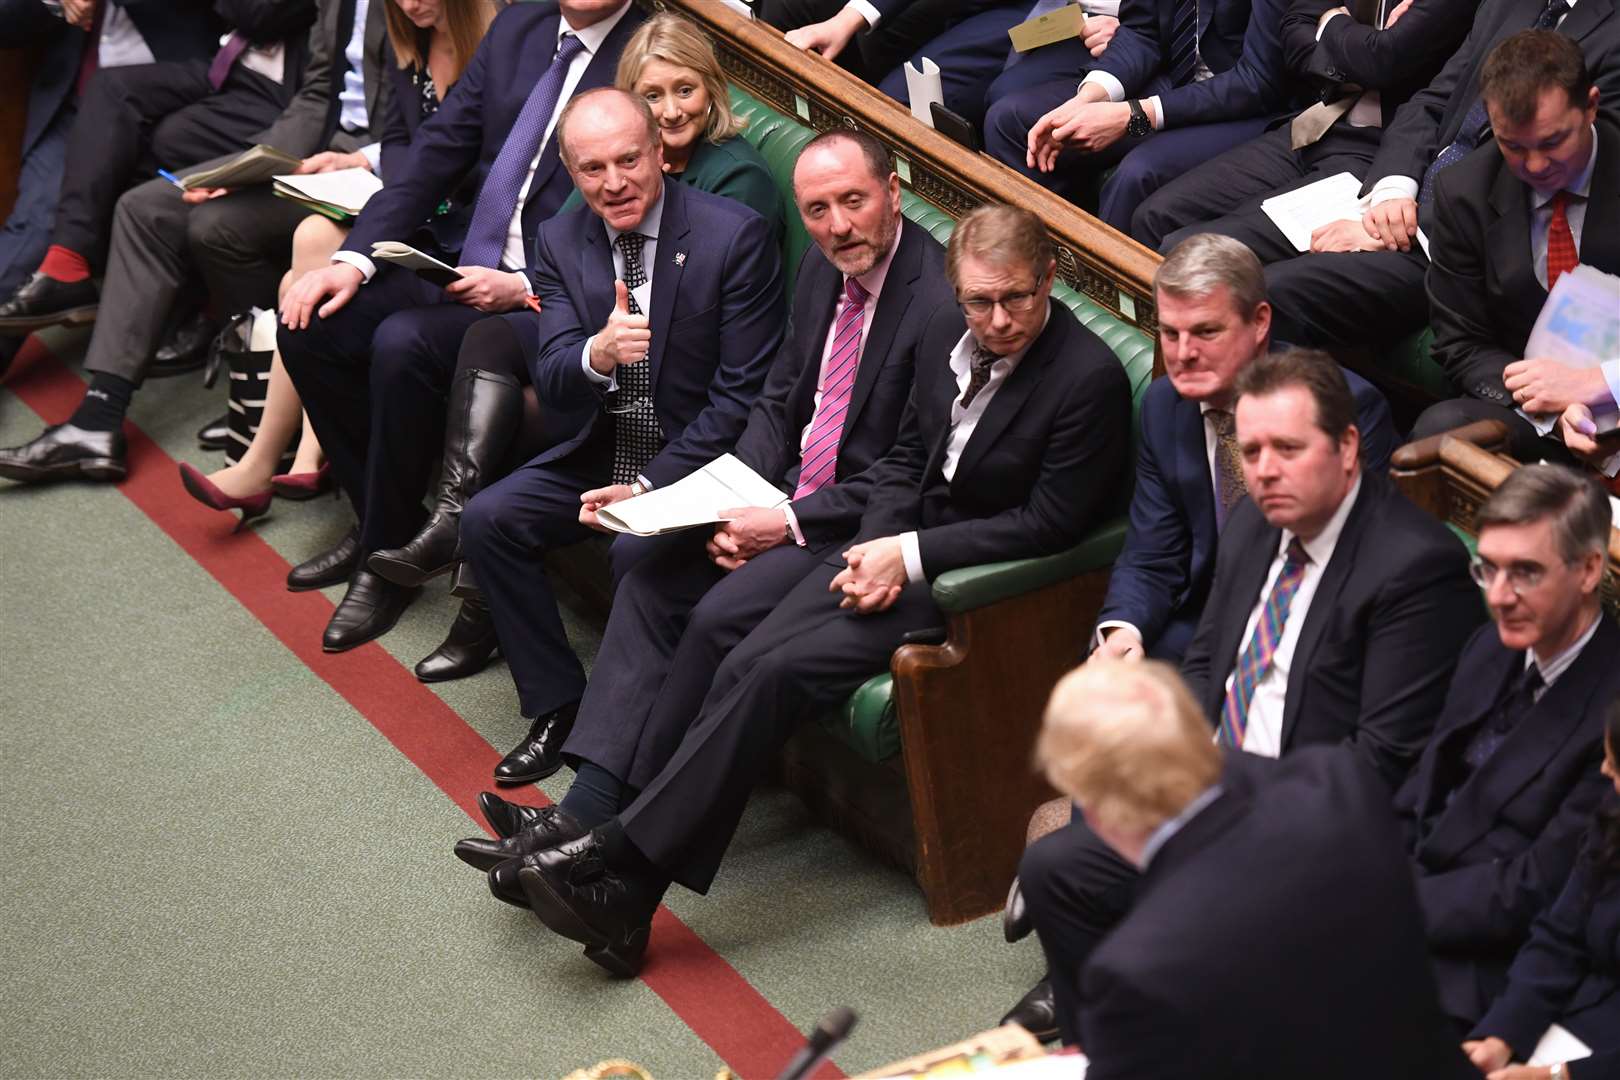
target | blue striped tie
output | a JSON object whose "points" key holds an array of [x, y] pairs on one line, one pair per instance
{"points": [[1184, 43]]}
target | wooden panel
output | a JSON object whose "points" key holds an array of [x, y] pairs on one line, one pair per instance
{"points": [[1110, 268]]}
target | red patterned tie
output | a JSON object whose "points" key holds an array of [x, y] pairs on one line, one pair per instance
{"points": [[820, 457], [1561, 254]]}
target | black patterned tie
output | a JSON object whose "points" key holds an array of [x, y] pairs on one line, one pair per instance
{"points": [[983, 360], [636, 435], [1514, 705], [1229, 482]]}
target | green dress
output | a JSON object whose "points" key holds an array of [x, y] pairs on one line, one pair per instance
{"points": [[733, 169]]}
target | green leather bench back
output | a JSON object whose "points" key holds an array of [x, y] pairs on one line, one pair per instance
{"points": [[867, 721]]}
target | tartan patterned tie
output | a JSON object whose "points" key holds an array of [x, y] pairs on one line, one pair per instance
{"points": [[636, 434], [1561, 254], [819, 460], [983, 361], [1255, 659], [1229, 483], [497, 199]]}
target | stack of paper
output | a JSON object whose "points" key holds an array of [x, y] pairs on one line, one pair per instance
{"points": [[424, 265], [1300, 212], [255, 166], [723, 484], [340, 194]]}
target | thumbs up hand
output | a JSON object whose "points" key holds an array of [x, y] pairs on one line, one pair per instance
{"points": [[624, 340]]}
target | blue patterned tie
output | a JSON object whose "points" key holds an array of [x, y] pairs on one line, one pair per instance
{"points": [[1184, 43], [1476, 124], [498, 198]]}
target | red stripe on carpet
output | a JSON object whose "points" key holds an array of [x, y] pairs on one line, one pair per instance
{"points": [[710, 997]]}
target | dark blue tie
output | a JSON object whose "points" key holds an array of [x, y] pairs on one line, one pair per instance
{"points": [[498, 198], [1184, 43]]}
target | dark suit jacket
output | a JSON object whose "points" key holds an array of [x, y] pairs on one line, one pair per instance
{"points": [[1397, 62], [309, 123], [1161, 578], [716, 319], [1243, 47], [1483, 290], [914, 290], [1493, 852], [461, 140], [1275, 937], [1375, 654], [1046, 458], [1429, 122], [1568, 973]]}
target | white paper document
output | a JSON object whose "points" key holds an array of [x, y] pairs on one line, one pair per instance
{"points": [[1558, 1045], [344, 189], [1300, 212], [424, 265], [923, 89], [1579, 325], [723, 484]]}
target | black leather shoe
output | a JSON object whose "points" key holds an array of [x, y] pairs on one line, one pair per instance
{"points": [[216, 434], [469, 648], [1015, 921], [1036, 1012], [540, 753], [331, 567], [578, 895], [43, 301], [368, 610], [66, 452], [185, 350], [504, 884], [506, 818], [554, 826]]}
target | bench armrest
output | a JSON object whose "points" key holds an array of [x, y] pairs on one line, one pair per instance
{"points": [[972, 587]]}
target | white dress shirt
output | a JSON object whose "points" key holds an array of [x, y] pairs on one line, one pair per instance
{"points": [[1552, 669], [1263, 735], [964, 421], [267, 60], [352, 116], [1406, 187], [641, 293], [1161, 836], [121, 43], [872, 282]]}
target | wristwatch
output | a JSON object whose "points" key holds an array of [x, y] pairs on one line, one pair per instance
{"points": [[1139, 125], [637, 488]]}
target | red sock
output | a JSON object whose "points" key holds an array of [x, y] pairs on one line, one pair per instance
{"points": [[64, 264]]}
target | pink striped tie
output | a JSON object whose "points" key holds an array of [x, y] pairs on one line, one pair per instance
{"points": [[820, 457]]}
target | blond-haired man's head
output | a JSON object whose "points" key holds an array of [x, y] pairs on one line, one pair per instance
{"points": [[1127, 742]]}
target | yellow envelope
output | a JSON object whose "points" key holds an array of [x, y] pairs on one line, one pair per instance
{"points": [[1059, 25]]}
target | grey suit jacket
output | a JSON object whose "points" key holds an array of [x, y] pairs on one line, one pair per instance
{"points": [[305, 125]]}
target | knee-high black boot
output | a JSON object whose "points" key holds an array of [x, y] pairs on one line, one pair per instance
{"points": [[485, 408]]}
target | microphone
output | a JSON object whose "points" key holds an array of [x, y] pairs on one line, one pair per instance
{"points": [[831, 1030]]}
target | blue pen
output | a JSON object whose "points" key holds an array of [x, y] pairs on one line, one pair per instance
{"points": [[171, 178]]}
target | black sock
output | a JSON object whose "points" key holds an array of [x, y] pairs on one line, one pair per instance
{"points": [[104, 404], [594, 795]]}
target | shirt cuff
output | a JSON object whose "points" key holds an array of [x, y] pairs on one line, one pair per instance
{"points": [[865, 11], [1393, 187], [1611, 375], [367, 268], [646, 484], [599, 380], [793, 524], [1156, 113], [1115, 624], [911, 552], [373, 154], [1114, 88], [1327, 18]]}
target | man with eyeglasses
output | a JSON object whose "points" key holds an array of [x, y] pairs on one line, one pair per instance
{"points": [[1014, 445], [1495, 808]]}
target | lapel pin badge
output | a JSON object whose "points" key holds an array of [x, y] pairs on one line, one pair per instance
{"points": [[680, 258]]}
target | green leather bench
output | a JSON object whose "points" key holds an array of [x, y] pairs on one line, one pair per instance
{"points": [[955, 722]]}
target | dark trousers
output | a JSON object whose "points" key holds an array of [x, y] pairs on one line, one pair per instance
{"points": [[242, 243], [805, 657], [971, 56], [1141, 166], [27, 230], [675, 617], [506, 531], [135, 120], [1235, 183], [1077, 890]]}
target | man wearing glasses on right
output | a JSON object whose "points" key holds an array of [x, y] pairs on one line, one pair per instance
{"points": [[1495, 807]]}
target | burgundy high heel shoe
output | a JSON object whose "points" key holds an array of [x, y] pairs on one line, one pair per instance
{"points": [[205, 491], [304, 485]]}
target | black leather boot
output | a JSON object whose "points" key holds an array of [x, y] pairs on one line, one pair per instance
{"points": [[485, 409], [469, 648]]}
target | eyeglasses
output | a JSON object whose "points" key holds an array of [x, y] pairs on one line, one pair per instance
{"points": [[1016, 304], [1521, 577]]}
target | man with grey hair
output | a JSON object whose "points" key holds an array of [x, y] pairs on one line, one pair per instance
{"points": [[1213, 321], [1497, 803], [1244, 955]]}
